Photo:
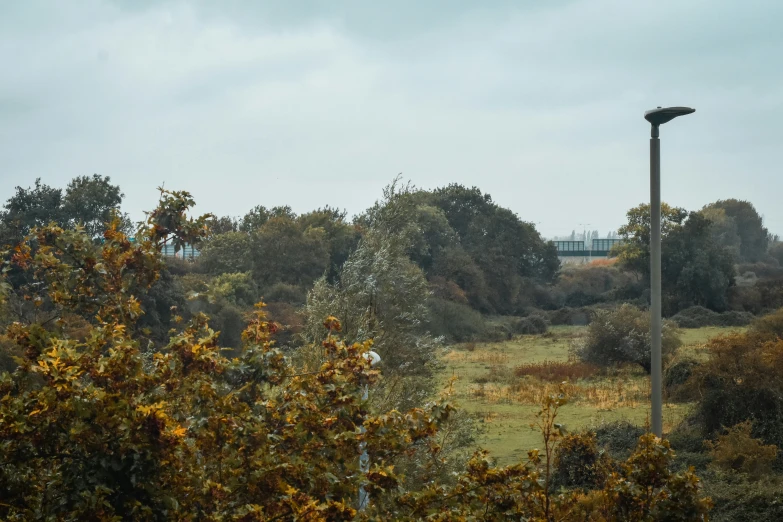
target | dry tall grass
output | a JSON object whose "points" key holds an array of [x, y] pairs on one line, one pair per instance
{"points": [[557, 371], [603, 394]]}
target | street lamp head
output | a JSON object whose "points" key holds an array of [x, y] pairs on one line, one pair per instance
{"points": [[373, 357], [660, 115]]}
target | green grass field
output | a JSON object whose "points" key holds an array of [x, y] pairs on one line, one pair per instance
{"points": [[506, 404]]}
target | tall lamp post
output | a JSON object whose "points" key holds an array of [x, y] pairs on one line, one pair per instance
{"points": [[364, 459], [657, 117]]}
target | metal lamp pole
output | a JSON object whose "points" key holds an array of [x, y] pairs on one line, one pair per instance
{"points": [[657, 117], [364, 459]]}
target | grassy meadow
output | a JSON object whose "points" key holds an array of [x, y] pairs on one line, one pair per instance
{"points": [[503, 384]]}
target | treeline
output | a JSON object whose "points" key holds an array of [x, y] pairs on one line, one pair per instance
{"points": [[482, 264]]}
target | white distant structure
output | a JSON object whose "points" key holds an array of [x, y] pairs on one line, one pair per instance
{"points": [[577, 252], [186, 252]]}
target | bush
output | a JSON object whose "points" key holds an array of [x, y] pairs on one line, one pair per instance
{"points": [[698, 317], [741, 381], [618, 438], [442, 288], [455, 322], [229, 321], [675, 379], [688, 441], [530, 325], [589, 284], [285, 293], [581, 298], [571, 316], [737, 451], [763, 271], [8, 350], [687, 437], [769, 326], [736, 499], [290, 321], [623, 336], [498, 331], [579, 463]]}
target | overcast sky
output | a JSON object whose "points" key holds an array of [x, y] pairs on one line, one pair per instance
{"points": [[304, 104]]}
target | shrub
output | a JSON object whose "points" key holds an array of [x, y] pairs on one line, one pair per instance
{"points": [[645, 488], [738, 499], [698, 316], [530, 325], [557, 371], [581, 298], [8, 350], [741, 381], [676, 378], [687, 440], [571, 316], [769, 326], [285, 293], [776, 252], [589, 283], [289, 320], [442, 288], [736, 450], [763, 271], [228, 320], [687, 437], [746, 279], [618, 438], [623, 336], [745, 298], [455, 322], [579, 463], [771, 293]]}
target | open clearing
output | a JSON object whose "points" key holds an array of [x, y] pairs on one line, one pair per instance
{"points": [[506, 403]]}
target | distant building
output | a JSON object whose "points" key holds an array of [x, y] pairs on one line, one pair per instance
{"points": [[186, 252], [575, 252]]}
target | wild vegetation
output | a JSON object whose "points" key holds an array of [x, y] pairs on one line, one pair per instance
{"points": [[134, 386]]}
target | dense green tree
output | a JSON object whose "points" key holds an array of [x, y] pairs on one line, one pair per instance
{"points": [[282, 251], [724, 230], [90, 202], [754, 237], [253, 220], [776, 251], [462, 206], [28, 208], [695, 270], [341, 236], [223, 225], [634, 252], [433, 235], [227, 253], [506, 249], [454, 264]]}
